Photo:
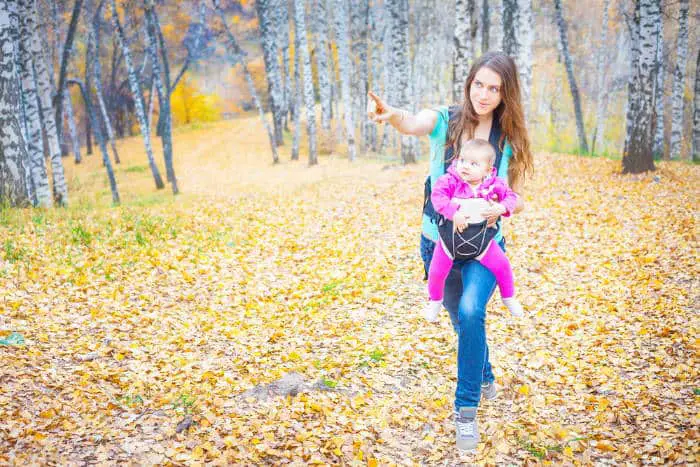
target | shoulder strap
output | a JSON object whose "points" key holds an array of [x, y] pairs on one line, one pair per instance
{"points": [[449, 151]]}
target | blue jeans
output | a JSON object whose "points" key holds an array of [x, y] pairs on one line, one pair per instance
{"points": [[468, 289]]}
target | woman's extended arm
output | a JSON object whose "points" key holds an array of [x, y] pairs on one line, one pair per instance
{"points": [[419, 124]]}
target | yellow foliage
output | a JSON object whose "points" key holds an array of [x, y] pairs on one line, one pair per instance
{"points": [[189, 105]]}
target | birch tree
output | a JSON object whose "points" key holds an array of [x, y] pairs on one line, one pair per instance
{"points": [[601, 60], [638, 156], [523, 58], [659, 92], [237, 55], [359, 20], [160, 80], [34, 141], [265, 10], [13, 184], [134, 84], [696, 112], [342, 41], [679, 82], [324, 77], [398, 10], [282, 16], [44, 88], [96, 21], [462, 47], [297, 100], [509, 14], [564, 44], [485, 25], [305, 61]]}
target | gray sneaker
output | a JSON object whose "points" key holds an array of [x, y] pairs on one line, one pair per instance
{"points": [[466, 429], [489, 391]]}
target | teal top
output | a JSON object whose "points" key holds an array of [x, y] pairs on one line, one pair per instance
{"points": [[438, 138]]}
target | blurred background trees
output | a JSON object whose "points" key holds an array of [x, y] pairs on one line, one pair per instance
{"points": [[608, 77]]}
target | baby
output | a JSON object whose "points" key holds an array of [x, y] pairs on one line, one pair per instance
{"points": [[460, 195]]}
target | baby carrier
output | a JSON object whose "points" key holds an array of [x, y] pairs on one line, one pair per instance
{"points": [[474, 239]]}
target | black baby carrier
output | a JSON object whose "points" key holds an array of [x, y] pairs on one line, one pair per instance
{"points": [[474, 239]]}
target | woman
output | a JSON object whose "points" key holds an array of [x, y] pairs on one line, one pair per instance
{"points": [[492, 110]]}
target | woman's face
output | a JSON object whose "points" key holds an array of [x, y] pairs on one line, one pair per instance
{"points": [[485, 91]]}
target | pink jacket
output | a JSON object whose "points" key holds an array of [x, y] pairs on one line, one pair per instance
{"points": [[451, 186]]}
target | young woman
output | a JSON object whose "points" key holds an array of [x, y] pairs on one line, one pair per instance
{"points": [[492, 110]]}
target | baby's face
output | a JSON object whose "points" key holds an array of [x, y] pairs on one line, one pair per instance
{"points": [[473, 166]]}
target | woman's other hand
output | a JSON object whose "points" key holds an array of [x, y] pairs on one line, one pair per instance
{"points": [[377, 110]]}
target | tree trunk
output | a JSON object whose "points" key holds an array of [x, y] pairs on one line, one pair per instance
{"points": [[510, 24], [97, 70], [679, 82], [44, 88], [485, 26], [297, 100], [632, 83], [13, 154], [238, 56], [525, 39], [88, 124], [67, 49], [34, 142], [70, 116], [135, 85], [602, 74], [282, 20], [462, 47], [265, 9], [324, 78], [359, 21], [398, 9], [696, 112], [342, 42], [305, 61], [659, 93], [564, 43], [638, 156], [161, 81]]}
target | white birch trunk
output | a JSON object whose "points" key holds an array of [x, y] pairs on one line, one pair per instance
{"points": [[34, 141], [696, 112], [638, 157], [305, 59], [13, 154], [525, 39], [679, 82], [324, 78], [461, 48], [44, 88], [659, 94], [342, 42], [602, 82]]}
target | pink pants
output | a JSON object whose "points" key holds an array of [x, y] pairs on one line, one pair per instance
{"points": [[494, 259]]}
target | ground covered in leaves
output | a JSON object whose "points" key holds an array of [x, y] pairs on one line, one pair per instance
{"points": [[272, 315]]}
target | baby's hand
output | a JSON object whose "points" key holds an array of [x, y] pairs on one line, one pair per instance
{"points": [[460, 221]]}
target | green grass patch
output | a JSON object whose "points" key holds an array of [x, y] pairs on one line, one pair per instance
{"points": [[136, 169], [12, 253], [80, 236]]}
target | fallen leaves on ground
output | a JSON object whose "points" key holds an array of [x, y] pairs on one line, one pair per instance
{"points": [[162, 332]]}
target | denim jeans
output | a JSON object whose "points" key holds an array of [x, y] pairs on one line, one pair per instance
{"points": [[468, 289]]}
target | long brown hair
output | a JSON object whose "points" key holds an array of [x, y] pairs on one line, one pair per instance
{"points": [[509, 114]]}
